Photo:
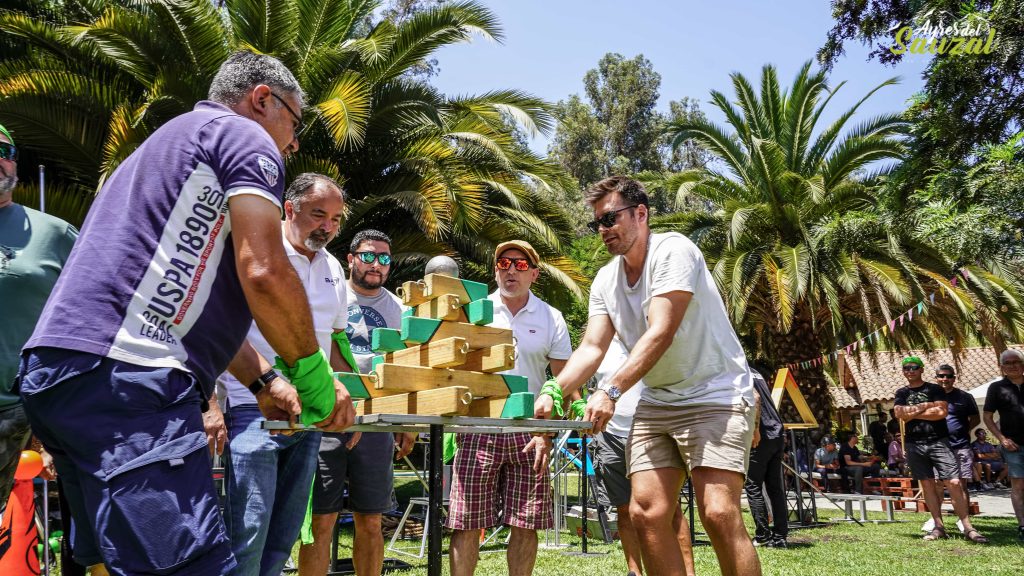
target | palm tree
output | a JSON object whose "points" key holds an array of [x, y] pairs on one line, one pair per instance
{"points": [[440, 174], [805, 256]]}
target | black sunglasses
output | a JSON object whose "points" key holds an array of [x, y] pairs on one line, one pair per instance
{"points": [[8, 151], [911, 368], [368, 257], [608, 219], [299, 126], [944, 376], [504, 263]]}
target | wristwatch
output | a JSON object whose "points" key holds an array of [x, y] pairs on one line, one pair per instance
{"points": [[265, 379], [612, 391]]}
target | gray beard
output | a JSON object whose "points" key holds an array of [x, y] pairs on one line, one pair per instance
{"points": [[8, 183], [314, 245]]}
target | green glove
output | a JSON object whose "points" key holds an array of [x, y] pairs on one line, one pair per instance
{"points": [[577, 408], [341, 339], [551, 388], [450, 446], [313, 378]]}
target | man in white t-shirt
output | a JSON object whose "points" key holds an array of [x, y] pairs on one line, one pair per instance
{"points": [[492, 472], [267, 477], [696, 410]]}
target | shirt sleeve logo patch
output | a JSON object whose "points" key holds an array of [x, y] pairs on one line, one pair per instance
{"points": [[269, 169]]}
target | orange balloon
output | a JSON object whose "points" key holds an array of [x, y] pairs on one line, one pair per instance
{"points": [[29, 466]]}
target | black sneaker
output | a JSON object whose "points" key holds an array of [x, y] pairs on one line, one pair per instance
{"points": [[777, 543], [759, 541], [1020, 533]]}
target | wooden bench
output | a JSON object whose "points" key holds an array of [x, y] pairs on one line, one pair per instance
{"points": [[892, 486], [972, 508]]}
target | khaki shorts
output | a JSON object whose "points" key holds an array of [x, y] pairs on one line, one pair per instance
{"points": [[688, 437]]}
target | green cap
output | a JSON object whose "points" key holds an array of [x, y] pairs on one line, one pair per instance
{"points": [[912, 360], [6, 133]]}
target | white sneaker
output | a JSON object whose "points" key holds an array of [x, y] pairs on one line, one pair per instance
{"points": [[928, 526], [988, 486]]}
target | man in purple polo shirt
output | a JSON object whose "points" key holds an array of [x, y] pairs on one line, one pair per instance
{"points": [[180, 252]]}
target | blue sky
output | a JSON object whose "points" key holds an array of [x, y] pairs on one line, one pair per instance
{"points": [[550, 44]]}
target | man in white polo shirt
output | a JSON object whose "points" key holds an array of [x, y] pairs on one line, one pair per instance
{"points": [[491, 471], [267, 477]]}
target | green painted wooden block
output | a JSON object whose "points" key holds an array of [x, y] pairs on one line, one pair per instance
{"points": [[518, 406], [353, 383], [516, 384], [377, 361], [415, 331], [475, 290], [407, 312], [387, 340], [480, 312]]}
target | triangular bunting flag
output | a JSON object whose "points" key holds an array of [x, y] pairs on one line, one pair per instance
{"points": [[931, 297], [892, 326], [920, 307], [910, 314]]}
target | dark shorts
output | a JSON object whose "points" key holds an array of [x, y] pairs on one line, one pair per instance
{"points": [[367, 468], [931, 460], [13, 435], [610, 458], [129, 446]]}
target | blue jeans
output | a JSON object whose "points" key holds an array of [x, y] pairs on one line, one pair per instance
{"points": [[268, 479]]}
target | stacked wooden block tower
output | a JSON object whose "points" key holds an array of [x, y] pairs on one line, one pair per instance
{"points": [[444, 360]]}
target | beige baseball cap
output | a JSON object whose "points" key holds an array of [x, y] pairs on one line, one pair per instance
{"points": [[521, 245]]}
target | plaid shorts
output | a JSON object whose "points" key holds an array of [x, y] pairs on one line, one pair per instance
{"points": [[491, 473]]}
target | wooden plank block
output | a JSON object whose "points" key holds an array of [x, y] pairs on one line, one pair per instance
{"points": [[412, 292], [435, 354], [494, 359], [448, 401], [419, 330], [397, 379], [386, 340], [480, 312], [466, 290], [444, 307], [517, 406], [361, 385]]}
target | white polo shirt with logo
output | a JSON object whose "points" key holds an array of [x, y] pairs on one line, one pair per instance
{"points": [[540, 334], [326, 288]]}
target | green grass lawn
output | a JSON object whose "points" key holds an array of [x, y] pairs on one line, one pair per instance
{"points": [[838, 549]]}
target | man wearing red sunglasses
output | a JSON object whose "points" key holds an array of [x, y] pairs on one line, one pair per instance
{"points": [[492, 471]]}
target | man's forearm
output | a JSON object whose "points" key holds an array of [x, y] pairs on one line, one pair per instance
{"points": [[932, 414], [248, 365], [990, 423], [645, 355], [580, 366], [284, 320]]}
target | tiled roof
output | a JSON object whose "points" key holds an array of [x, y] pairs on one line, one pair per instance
{"points": [[876, 380], [844, 398]]}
